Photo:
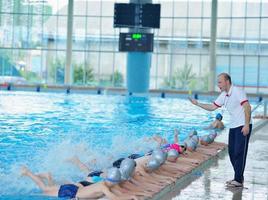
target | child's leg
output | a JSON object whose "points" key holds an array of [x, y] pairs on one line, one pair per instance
{"points": [[157, 139], [47, 176], [38, 180], [77, 162], [176, 133]]}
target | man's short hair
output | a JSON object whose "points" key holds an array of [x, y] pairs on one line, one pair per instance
{"points": [[226, 76]]}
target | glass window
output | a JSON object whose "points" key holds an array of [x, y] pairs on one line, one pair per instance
{"points": [[107, 26], [162, 46], [8, 63], [80, 8], [194, 28], [178, 62], [206, 28], [109, 44], [195, 8], [264, 9], [163, 71], [94, 8], [193, 61], [62, 26], [237, 70], [79, 28], [251, 71], [153, 72], [35, 32], [204, 65], [238, 29], [60, 7], [167, 9], [107, 8], [253, 8], [55, 66], [179, 46], [251, 48], [237, 47], [180, 27], [252, 29], [33, 65], [165, 27], [120, 67], [224, 8], [238, 8], [92, 43], [222, 64], [264, 49], [263, 74], [106, 68], [223, 28], [206, 9], [92, 58], [93, 26], [8, 7], [180, 8], [50, 26], [264, 29]]}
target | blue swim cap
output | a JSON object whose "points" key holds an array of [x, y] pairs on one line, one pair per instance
{"points": [[96, 179], [219, 116]]}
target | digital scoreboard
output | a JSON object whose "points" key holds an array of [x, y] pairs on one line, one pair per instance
{"points": [[142, 42]]}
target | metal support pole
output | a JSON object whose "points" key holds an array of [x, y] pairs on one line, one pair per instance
{"points": [[212, 52], [68, 68]]}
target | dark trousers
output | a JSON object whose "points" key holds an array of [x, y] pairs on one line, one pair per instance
{"points": [[238, 148]]}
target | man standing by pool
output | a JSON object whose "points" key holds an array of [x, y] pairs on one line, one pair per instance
{"points": [[235, 101]]}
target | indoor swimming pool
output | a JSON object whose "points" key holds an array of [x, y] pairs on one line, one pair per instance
{"points": [[44, 130]]}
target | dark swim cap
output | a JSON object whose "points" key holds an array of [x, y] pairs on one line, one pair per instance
{"points": [[219, 116]]}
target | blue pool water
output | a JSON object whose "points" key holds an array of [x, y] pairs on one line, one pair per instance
{"points": [[43, 130]]}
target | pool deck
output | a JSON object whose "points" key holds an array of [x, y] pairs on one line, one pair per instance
{"points": [[207, 181]]}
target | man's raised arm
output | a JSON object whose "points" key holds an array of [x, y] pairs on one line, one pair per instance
{"points": [[208, 107]]}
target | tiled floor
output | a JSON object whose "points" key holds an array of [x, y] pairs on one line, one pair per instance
{"points": [[210, 184]]}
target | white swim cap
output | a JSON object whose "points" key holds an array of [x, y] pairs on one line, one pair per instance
{"points": [[127, 168], [153, 164], [113, 175], [159, 155], [173, 153]]}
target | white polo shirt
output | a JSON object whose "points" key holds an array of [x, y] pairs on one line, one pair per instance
{"points": [[233, 101]]}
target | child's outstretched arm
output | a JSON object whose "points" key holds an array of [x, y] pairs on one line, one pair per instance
{"points": [[176, 139]]}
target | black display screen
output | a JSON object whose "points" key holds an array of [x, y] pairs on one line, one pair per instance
{"points": [[137, 15], [124, 14], [150, 15], [142, 42]]}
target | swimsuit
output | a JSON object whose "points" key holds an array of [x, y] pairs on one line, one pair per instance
{"points": [[117, 163], [95, 173], [175, 146], [135, 156], [67, 191], [85, 183]]}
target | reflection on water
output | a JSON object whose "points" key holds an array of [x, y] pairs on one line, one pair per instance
{"points": [[237, 193]]}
